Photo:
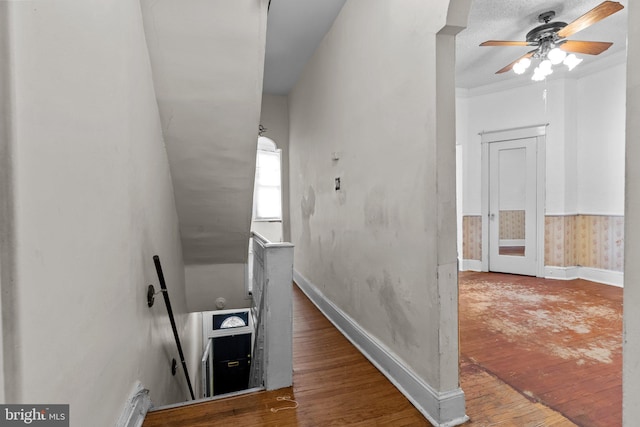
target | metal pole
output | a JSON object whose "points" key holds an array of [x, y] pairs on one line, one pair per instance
{"points": [[165, 294]]}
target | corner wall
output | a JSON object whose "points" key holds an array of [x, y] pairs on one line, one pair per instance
{"points": [[364, 111], [93, 202], [631, 337]]}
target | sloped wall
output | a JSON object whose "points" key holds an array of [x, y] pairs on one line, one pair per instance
{"points": [[92, 200]]}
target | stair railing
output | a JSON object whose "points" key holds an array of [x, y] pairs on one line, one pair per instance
{"points": [[167, 302], [272, 307]]}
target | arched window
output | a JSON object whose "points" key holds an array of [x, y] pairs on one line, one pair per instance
{"points": [[267, 204]]}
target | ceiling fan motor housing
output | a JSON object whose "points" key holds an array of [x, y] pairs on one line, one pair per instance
{"points": [[548, 31]]}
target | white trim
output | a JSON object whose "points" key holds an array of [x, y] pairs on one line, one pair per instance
{"points": [[488, 137], [207, 399], [608, 277], [561, 273], [541, 147], [561, 213], [136, 407], [471, 265], [585, 214], [512, 242], [484, 197], [599, 275], [442, 409], [510, 134]]}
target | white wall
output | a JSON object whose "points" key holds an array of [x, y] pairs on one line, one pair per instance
{"points": [[93, 202], [494, 109], [275, 117], [601, 140], [631, 338], [585, 138], [271, 230], [7, 289], [206, 283], [369, 93]]}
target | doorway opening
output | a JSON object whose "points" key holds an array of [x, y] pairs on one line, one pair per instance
{"points": [[513, 194]]}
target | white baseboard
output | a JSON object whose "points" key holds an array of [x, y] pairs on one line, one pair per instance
{"points": [[607, 277], [443, 409], [136, 407], [561, 273], [471, 265]]}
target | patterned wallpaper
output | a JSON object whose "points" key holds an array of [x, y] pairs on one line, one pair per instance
{"points": [[595, 241], [560, 241], [472, 237], [586, 240], [512, 224]]}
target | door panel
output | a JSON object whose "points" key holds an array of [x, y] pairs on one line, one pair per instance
{"points": [[512, 206]]}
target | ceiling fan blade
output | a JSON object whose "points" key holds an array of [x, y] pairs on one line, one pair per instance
{"points": [[590, 48], [510, 66], [503, 43], [596, 14]]}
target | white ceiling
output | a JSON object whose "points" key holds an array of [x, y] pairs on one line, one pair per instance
{"points": [[294, 30], [296, 27], [512, 20]]}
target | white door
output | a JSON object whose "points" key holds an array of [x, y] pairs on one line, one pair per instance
{"points": [[512, 206]]}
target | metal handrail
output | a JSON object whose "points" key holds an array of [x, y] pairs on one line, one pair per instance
{"points": [[165, 294]]}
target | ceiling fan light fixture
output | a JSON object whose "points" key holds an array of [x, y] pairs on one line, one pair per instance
{"points": [[545, 66], [518, 68], [571, 61], [549, 36], [556, 55], [537, 76]]}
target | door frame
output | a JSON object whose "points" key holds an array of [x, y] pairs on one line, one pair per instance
{"points": [[539, 132]]}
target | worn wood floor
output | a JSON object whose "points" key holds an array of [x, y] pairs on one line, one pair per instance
{"points": [[557, 342], [335, 385]]}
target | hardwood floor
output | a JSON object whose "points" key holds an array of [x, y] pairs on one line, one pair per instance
{"points": [[335, 385], [557, 342]]}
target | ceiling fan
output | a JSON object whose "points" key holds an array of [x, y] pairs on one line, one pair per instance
{"points": [[552, 46]]}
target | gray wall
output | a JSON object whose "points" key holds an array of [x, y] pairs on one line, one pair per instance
{"points": [[631, 359], [92, 199], [369, 95]]}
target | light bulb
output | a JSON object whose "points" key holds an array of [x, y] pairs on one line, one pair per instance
{"points": [[518, 68], [571, 61], [556, 55], [538, 75], [525, 62], [545, 65]]}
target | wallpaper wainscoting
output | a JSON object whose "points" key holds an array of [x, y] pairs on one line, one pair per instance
{"points": [[560, 241], [472, 237], [512, 224], [595, 241]]}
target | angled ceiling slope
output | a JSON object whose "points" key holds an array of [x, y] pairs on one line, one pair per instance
{"points": [[207, 59], [295, 29]]}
